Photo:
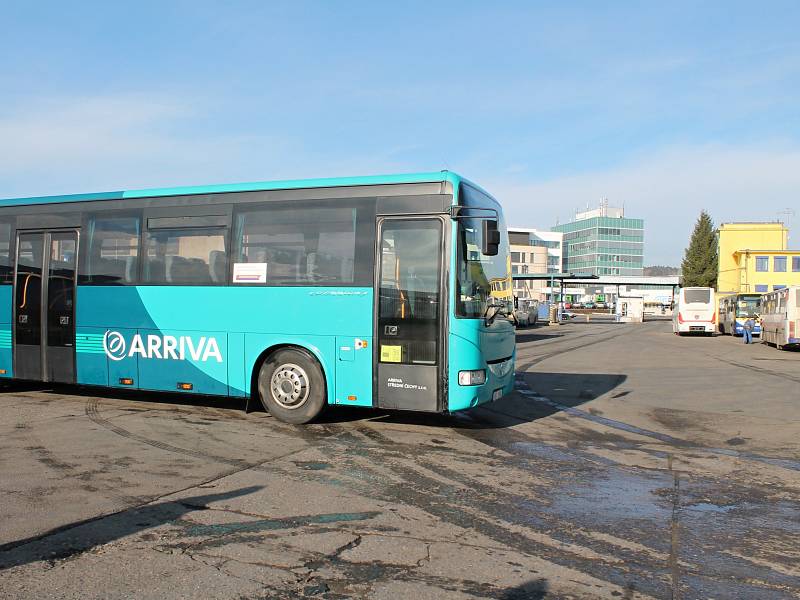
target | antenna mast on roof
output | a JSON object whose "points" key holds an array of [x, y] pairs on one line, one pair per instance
{"points": [[789, 212]]}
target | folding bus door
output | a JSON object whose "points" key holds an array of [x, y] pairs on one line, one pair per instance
{"points": [[409, 321], [44, 306]]}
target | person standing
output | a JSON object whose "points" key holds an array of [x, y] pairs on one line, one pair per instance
{"points": [[747, 330]]}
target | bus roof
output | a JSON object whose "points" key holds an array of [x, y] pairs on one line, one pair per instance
{"points": [[430, 177]]}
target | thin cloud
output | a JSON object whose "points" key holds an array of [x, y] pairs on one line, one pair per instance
{"points": [[86, 144], [668, 190]]}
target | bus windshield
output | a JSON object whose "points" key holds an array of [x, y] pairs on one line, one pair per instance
{"points": [[747, 306], [480, 277]]}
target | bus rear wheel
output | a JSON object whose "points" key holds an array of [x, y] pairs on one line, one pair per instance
{"points": [[291, 386]]}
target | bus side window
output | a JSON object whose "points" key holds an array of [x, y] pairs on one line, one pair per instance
{"points": [[305, 244], [111, 249], [6, 264], [186, 256]]}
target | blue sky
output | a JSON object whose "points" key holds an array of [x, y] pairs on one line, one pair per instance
{"points": [[667, 109]]}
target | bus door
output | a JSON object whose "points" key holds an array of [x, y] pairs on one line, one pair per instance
{"points": [[44, 306], [410, 310]]}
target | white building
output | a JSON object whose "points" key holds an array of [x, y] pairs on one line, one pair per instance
{"points": [[534, 251], [630, 309]]}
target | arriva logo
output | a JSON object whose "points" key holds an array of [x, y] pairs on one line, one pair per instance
{"points": [[167, 346]]}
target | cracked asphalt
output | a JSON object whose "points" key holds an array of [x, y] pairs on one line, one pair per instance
{"points": [[629, 463]]}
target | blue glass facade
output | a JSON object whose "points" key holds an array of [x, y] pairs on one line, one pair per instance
{"points": [[604, 246]]}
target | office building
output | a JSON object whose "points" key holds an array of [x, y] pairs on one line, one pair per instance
{"points": [[603, 241]]}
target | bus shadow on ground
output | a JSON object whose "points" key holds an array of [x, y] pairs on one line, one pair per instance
{"points": [[552, 392], [524, 336], [566, 389], [74, 538], [145, 396]]}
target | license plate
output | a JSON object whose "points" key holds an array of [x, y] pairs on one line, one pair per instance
{"points": [[497, 394]]}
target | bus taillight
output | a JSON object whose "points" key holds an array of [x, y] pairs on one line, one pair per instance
{"points": [[680, 317]]}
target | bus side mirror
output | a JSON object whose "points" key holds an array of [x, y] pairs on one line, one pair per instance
{"points": [[491, 238]]}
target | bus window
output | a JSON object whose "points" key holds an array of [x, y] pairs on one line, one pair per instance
{"points": [[190, 256], [300, 245], [6, 266], [112, 249], [697, 296]]}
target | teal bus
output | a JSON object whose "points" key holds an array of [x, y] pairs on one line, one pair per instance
{"points": [[385, 291]]}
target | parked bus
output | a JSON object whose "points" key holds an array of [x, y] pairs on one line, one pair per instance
{"points": [[695, 311], [372, 291], [735, 309], [780, 317]]}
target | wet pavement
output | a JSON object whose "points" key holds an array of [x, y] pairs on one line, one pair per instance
{"points": [[630, 463]]}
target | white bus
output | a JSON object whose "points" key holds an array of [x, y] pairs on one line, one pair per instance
{"points": [[695, 312], [780, 317]]}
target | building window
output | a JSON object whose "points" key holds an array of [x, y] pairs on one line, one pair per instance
{"points": [[796, 264], [779, 264], [762, 289], [518, 257], [762, 264], [778, 287]]}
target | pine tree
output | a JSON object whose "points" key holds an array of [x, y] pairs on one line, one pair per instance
{"points": [[699, 267]]}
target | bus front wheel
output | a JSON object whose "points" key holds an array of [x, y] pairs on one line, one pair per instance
{"points": [[291, 386]]}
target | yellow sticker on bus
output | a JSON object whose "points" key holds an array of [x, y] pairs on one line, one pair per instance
{"points": [[392, 354]]}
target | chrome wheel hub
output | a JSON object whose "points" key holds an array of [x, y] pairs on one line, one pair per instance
{"points": [[289, 386]]}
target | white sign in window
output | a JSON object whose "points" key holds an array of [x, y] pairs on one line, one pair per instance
{"points": [[249, 272]]}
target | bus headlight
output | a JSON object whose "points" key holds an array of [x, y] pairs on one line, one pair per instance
{"points": [[472, 377]]}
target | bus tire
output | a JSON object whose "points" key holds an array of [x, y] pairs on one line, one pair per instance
{"points": [[291, 386]]}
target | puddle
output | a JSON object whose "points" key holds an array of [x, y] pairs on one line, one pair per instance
{"points": [[311, 465], [276, 524], [544, 451], [616, 496], [708, 507]]}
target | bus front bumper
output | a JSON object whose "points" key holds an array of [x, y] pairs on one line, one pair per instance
{"points": [[499, 383]]}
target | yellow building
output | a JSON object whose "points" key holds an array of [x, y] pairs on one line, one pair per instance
{"points": [[753, 257]]}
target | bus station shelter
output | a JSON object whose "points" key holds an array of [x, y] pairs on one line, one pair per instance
{"points": [[565, 280], [553, 278]]}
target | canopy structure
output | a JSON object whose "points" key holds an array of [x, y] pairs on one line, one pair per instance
{"points": [[609, 280], [552, 278]]}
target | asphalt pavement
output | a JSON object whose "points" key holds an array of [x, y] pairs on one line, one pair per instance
{"points": [[629, 463]]}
